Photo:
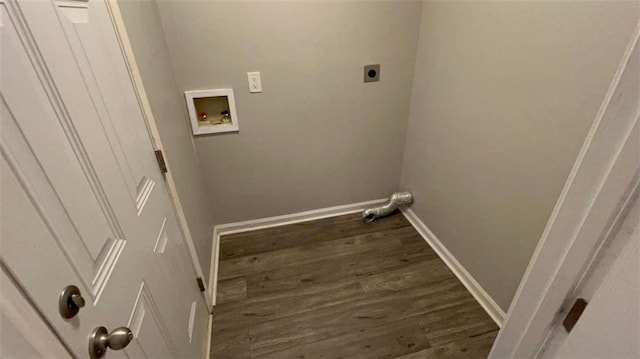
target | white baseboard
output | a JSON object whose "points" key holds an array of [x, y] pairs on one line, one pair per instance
{"points": [[207, 355], [213, 270], [490, 306], [269, 222]]}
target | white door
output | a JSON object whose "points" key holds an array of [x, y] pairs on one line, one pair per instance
{"points": [[82, 198], [609, 327]]}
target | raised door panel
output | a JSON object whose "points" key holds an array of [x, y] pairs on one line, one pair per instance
{"points": [[42, 147], [77, 50], [180, 301], [83, 23], [152, 339]]}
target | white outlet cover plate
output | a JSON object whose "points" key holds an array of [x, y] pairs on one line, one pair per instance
{"points": [[255, 83]]}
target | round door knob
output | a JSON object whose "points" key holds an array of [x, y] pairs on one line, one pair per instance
{"points": [[70, 301], [100, 340]]}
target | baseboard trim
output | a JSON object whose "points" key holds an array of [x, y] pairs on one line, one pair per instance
{"points": [[213, 270], [207, 355], [490, 306], [277, 221], [305, 216]]}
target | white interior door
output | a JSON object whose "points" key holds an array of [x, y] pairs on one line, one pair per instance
{"points": [[82, 199], [609, 327]]}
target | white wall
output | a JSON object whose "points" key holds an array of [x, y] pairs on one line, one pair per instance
{"points": [[503, 96], [152, 56], [317, 136]]}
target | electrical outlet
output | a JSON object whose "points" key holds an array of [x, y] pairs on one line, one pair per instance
{"points": [[255, 84], [372, 73]]}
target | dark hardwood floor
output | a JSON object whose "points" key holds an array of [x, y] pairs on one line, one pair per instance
{"points": [[339, 288]]}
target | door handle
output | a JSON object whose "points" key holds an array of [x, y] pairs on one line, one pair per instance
{"points": [[100, 340]]}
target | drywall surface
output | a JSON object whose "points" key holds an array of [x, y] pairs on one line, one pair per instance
{"points": [[147, 39], [503, 96], [317, 136]]}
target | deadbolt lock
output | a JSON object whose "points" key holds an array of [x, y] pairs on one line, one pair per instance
{"points": [[70, 301]]}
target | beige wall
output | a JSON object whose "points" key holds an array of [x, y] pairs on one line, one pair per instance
{"points": [[147, 39], [503, 96], [317, 136]]}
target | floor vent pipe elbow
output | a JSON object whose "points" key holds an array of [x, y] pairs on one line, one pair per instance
{"points": [[396, 200]]}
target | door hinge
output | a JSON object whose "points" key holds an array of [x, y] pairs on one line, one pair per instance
{"points": [[574, 314], [161, 163], [200, 283]]}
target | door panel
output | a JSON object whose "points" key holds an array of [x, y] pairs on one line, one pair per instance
{"points": [[56, 172], [149, 329], [83, 30], [82, 198]]}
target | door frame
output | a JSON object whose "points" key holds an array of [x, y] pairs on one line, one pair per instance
{"points": [[601, 181], [147, 114]]}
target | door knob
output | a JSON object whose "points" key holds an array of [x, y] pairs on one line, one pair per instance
{"points": [[100, 340], [70, 301]]}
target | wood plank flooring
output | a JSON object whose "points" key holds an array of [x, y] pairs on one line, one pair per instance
{"points": [[339, 288]]}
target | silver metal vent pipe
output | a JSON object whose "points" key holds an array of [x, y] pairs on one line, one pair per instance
{"points": [[396, 200]]}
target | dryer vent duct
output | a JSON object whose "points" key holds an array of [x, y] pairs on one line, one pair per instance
{"points": [[397, 199]]}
